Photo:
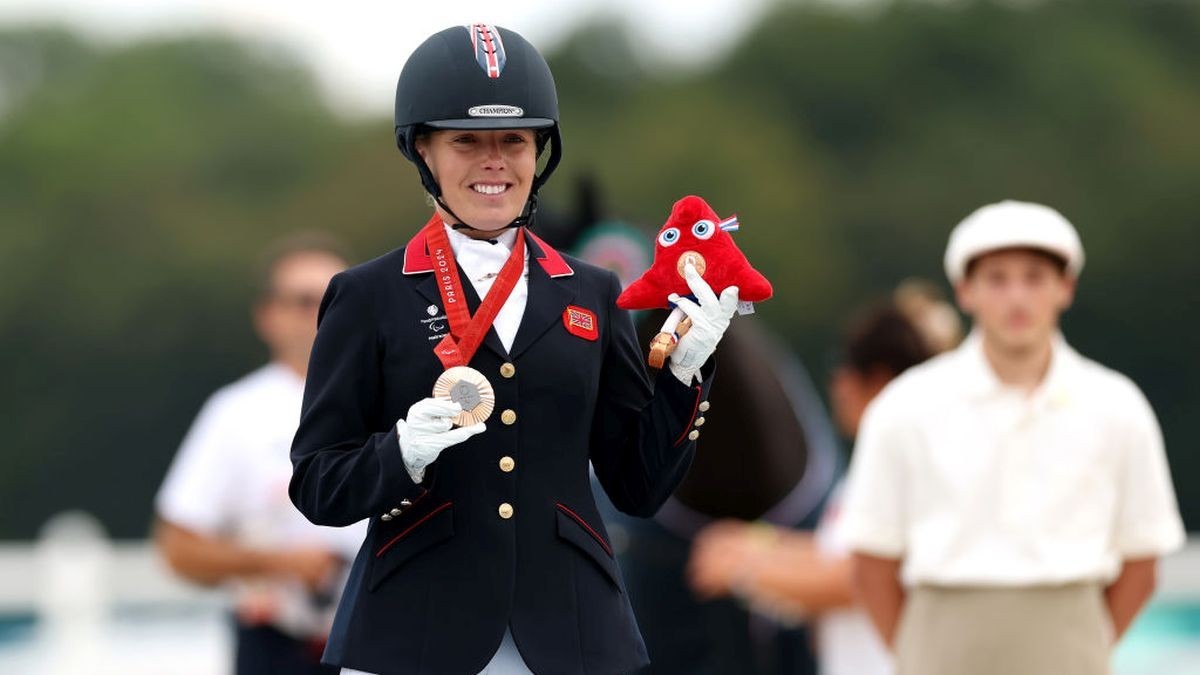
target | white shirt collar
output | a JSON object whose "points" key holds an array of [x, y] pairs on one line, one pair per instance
{"points": [[482, 259], [506, 238], [979, 379]]}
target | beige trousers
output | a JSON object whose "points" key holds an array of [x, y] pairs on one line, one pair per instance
{"points": [[1037, 630]]}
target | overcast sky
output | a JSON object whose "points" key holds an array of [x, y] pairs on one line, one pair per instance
{"points": [[357, 47]]}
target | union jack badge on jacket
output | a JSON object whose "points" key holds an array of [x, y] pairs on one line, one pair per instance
{"points": [[581, 322]]}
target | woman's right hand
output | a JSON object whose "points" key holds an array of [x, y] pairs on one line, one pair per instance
{"points": [[427, 431]]}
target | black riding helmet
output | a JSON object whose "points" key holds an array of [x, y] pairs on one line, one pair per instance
{"points": [[477, 77]]}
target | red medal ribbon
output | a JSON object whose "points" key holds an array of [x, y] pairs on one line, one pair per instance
{"points": [[466, 331]]}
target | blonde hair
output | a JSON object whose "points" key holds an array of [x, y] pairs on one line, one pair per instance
{"points": [[926, 307]]}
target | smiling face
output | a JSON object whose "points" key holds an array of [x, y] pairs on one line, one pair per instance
{"points": [[1015, 297], [485, 175]]}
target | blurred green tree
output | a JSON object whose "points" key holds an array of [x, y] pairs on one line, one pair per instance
{"points": [[137, 185], [851, 142]]}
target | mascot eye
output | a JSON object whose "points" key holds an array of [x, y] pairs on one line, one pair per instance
{"points": [[703, 229], [669, 236]]}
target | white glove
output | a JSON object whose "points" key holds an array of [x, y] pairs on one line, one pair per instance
{"points": [[427, 431], [710, 319]]}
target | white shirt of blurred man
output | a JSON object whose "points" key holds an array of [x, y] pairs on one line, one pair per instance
{"points": [[224, 516], [1008, 501]]}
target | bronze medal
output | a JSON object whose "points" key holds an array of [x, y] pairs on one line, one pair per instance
{"points": [[468, 388]]}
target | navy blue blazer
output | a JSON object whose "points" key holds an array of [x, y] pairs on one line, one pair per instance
{"points": [[503, 531]]}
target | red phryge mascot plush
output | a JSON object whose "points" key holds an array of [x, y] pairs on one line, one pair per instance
{"points": [[692, 234]]}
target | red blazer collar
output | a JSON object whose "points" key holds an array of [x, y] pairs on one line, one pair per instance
{"points": [[417, 260]]}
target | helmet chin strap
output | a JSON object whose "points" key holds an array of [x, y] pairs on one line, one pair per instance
{"points": [[523, 220]]}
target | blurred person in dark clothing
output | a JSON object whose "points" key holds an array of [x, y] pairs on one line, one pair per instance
{"points": [[772, 456], [224, 516], [807, 575]]}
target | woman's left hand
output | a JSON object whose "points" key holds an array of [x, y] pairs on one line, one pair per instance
{"points": [[710, 318]]}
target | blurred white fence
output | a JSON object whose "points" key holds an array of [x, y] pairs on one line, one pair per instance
{"points": [[103, 608], [76, 603]]}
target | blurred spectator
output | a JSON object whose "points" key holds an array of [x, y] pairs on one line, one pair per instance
{"points": [[798, 574], [778, 466], [1008, 501], [224, 516]]}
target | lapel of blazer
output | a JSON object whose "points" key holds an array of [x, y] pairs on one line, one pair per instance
{"points": [[552, 285]]}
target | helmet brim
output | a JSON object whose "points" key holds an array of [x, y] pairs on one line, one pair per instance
{"points": [[493, 123]]}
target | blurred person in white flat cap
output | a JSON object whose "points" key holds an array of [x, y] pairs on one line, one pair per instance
{"points": [[1008, 501], [224, 516]]}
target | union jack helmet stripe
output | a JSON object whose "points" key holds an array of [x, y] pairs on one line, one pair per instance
{"points": [[489, 48]]}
